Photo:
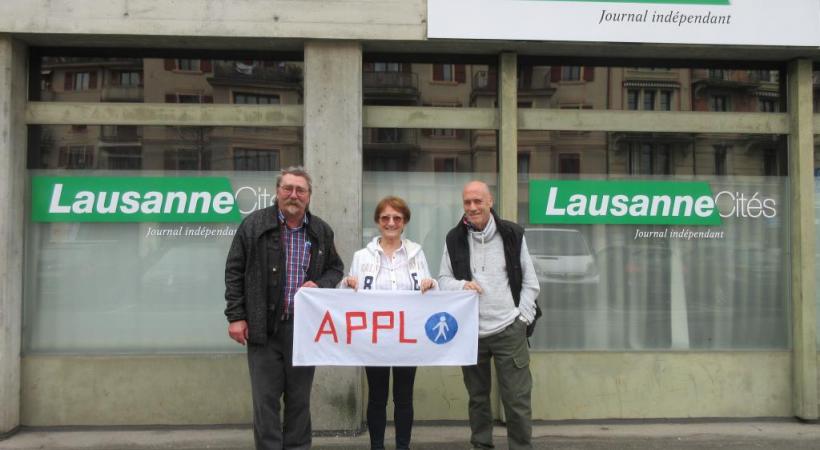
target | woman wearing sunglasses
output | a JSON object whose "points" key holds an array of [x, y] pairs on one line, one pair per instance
{"points": [[390, 263]]}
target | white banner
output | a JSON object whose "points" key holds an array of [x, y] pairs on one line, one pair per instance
{"points": [[730, 22], [340, 327]]}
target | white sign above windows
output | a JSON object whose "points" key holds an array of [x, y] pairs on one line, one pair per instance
{"points": [[717, 22]]}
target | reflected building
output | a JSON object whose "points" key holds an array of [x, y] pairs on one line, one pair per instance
{"points": [[395, 84], [169, 148], [94, 80], [566, 154], [433, 149]]}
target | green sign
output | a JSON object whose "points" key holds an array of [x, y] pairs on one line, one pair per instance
{"points": [[133, 199], [622, 202]]}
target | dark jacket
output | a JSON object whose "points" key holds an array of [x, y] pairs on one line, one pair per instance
{"points": [[255, 269], [512, 236]]}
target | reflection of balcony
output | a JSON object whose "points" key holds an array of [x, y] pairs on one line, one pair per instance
{"points": [[638, 75], [390, 86], [651, 84], [764, 76], [391, 139], [485, 83], [120, 134], [483, 140], [122, 94], [535, 85], [234, 73], [681, 144], [745, 83], [723, 79], [79, 62], [488, 81]]}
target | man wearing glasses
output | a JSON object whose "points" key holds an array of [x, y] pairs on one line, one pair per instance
{"points": [[275, 252]]}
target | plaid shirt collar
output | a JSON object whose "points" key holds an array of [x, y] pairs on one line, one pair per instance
{"points": [[281, 216]]}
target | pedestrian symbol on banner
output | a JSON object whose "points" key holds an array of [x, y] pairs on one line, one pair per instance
{"points": [[441, 328]]}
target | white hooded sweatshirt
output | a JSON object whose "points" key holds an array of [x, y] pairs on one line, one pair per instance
{"points": [[374, 270]]}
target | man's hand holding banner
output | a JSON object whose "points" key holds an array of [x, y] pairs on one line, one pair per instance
{"points": [[341, 327]]}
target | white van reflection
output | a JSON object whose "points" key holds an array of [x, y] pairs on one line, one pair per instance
{"points": [[561, 255]]}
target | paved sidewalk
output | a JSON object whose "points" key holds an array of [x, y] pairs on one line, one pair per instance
{"points": [[688, 435]]}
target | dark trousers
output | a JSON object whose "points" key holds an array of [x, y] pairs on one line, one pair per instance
{"points": [[378, 379], [273, 376], [508, 349]]}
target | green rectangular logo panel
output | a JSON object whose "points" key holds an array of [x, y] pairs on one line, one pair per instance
{"points": [[133, 199], [622, 202]]}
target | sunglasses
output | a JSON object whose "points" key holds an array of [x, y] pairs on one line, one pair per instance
{"points": [[388, 219]]}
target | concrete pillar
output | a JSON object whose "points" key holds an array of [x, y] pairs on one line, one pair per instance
{"points": [[507, 202], [12, 194], [801, 176], [508, 136], [333, 156]]}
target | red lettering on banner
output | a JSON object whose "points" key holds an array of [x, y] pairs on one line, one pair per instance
{"points": [[357, 321], [350, 327], [327, 320], [377, 326], [403, 339]]}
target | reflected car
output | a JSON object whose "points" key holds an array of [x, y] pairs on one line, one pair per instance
{"points": [[561, 255]]}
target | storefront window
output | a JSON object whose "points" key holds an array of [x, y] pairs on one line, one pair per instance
{"points": [[169, 80], [609, 286], [166, 148], [116, 284], [425, 84], [428, 172], [817, 209], [651, 88], [816, 91]]}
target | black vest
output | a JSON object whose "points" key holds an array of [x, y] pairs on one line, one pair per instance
{"points": [[512, 235]]}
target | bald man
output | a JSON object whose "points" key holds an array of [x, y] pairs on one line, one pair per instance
{"points": [[489, 255]]}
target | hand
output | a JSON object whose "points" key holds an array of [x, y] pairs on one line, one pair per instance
{"points": [[472, 286], [427, 284], [310, 284], [238, 331], [351, 282]]}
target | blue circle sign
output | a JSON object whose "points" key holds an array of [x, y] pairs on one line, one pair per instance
{"points": [[441, 328]]}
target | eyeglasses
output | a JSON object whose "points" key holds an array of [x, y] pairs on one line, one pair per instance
{"points": [[396, 219], [300, 191]]}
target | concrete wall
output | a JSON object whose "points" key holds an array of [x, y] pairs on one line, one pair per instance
{"points": [[592, 385], [214, 389], [340, 19], [135, 390], [12, 194]]}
